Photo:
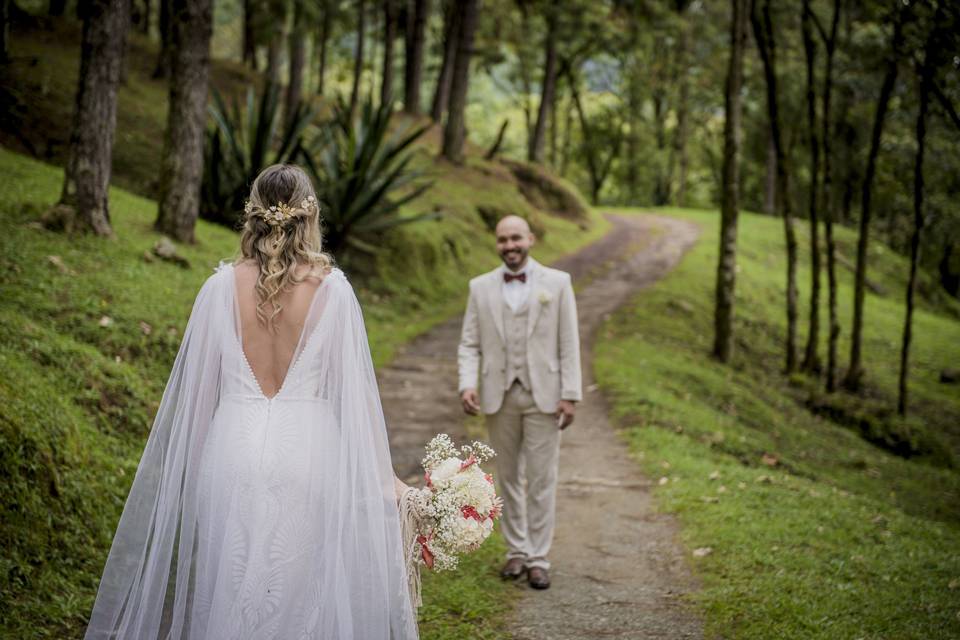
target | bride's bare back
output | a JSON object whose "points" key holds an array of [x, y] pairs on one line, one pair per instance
{"points": [[270, 355]]}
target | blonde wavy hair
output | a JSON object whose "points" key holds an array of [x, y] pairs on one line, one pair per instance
{"points": [[281, 230]]}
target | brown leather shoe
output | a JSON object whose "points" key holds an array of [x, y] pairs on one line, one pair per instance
{"points": [[513, 569], [538, 578]]}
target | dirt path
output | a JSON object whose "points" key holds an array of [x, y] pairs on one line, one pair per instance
{"points": [[618, 571]]}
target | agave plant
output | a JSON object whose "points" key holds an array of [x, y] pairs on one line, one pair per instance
{"points": [[241, 143], [359, 167]]}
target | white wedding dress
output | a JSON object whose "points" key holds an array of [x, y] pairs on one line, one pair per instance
{"points": [[262, 517]]}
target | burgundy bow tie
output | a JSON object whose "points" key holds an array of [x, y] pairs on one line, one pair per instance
{"points": [[507, 277]]}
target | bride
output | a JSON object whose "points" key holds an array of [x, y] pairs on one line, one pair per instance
{"points": [[265, 504]]}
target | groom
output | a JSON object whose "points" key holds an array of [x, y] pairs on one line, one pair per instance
{"points": [[521, 347]]}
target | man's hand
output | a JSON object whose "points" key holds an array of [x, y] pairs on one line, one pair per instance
{"points": [[470, 401], [564, 413]]}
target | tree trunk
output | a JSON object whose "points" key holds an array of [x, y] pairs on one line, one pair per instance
{"points": [[249, 36], [770, 179], [854, 377], [415, 43], [389, 37], [764, 35], [598, 173], [538, 140], [565, 145], [680, 135], [4, 31], [729, 208], [144, 23], [925, 79], [451, 34], [324, 41], [298, 55], [828, 204], [358, 57], [162, 70], [276, 43], [454, 133], [495, 148], [181, 165], [811, 357], [84, 200], [949, 280], [554, 133]]}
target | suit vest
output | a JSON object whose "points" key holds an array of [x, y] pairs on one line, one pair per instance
{"points": [[515, 333]]}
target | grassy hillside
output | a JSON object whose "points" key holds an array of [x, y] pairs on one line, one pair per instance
{"points": [[89, 332], [805, 528]]}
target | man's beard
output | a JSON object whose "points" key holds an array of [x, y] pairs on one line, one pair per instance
{"points": [[517, 256]]}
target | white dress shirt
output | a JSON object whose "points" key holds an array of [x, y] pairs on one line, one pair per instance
{"points": [[515, 292]]}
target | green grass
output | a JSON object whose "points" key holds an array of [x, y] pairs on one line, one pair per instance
{"points": [[77, 398], [840, 538]]}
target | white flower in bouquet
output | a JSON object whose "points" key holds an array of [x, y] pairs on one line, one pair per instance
{"points": [[459, 504]]}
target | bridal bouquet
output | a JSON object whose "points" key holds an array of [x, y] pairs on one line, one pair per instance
{"points": [[457, 508]]}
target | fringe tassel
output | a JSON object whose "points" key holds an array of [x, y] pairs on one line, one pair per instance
{"points": [[408, 531]]}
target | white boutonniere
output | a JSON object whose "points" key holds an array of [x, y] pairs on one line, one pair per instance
{"points": [[544, 297]]}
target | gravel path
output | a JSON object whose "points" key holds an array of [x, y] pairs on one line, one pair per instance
{"points": [[618, 570]]}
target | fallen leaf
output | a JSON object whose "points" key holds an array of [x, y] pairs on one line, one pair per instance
{"points": [[145, 327], [106, 321], [664, 480], [769, 459], [702, 551], [714, 475]]}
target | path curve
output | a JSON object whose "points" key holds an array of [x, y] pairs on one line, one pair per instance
{"points": [[618, 569]]}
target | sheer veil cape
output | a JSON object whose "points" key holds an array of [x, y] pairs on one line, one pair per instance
{"points": [[152, 585]]}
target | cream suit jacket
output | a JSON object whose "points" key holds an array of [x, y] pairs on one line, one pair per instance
{"points": [[553, 340]]}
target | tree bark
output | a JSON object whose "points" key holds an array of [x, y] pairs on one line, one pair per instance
{"points": [[538, 140], [414, 45], [358, 57], [680, 135], [763, 33], [84, 199], [298, 55], [454, 133], [854, 377], [144, 22], [181, 165], [811, 357], [495, 147], [162, 70], [554, 129], [4, 31], [451, 35], [918, 220], [729, 208], [770, 179], [249, 35], [565, 145], [324, 41], [828, 204], [389, 37]]}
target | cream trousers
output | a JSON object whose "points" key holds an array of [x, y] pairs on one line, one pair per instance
{"points": [[527, 442]]}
